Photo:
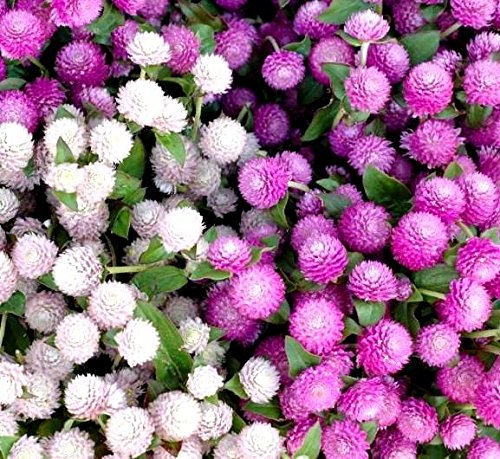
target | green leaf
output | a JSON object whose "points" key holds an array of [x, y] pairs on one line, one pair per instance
{"points": [[108, 338], [386, 191], [29, 169], [477, 115], [450, 255], [310, 91], [311, 445], [234, 385], [369, 313], [205, 270], [63, 154], [109, 20], [302, 47], [186, 83], [210, 235], [335, 204], [206, 35], [436, 279], [421, 46], [371, 429], [133, 164], [431, 12], [61, 112], [337, 74], [196, 13], [49, 427], [329, 184], [448, 113], [170, 358], [453, 170], [348, 39], [376, 127], [271, 241], [216, 333], [16, 336], [354, 259], [125, 185], [68, 199], [280, 317], [493, 234], [321, 122], [283, 3], [12, 83], [270, 410], [160, 279], [121, 223], [298, 358], [340, 10], [48, 281], [278, 212], [173, 143], [134, 197], [14, 305], [238, 423], [351, 327], [155, 252], [404, 313], [6, 444]]}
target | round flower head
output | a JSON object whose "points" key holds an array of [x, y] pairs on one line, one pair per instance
{"points": [[148, 48], [344, 440], [407, 16], [310, 204], [298, 165], [180, 228], [418, 421], [216, 420], [141, 101], [260, 379], [138, 343], [384, 348], [44, 311], [208, 178], [476, 14], [482, 83], [481, 197], [457, 431], [438, 344], [419, 240], [260, 440], [12, 379], [42, 358], [283, 69], [227, 448], [73, 443], [271, 125], [179, 308], [68, 129], [145, 216], [273, 349], [129, 432], [90, 222], [17, 109], [263, 181], [489, 163], [22, 34], [467, 307], [100, 100], [33, 255], [329, 50], [184, 47], [111, 141], [9, 205], [229, 253], [122, 36], [487, 399], [176, 415], [130, 7], [212, 74], [343, 137], [173, 116], [222, 201], [77, 337], [373, 281], [8, 424], [367, 26], [195, 335], [390, 58], [484, 448], [40, 397], [367, 89], [312, 224], [392, 444], [306, 20], [483, 45], [371, 150], [26, 447], [77, 271], [204, 381], [317, 324], [479, 260], [257, 292], [427, 89], [75, 14], [234, 46], [450, 60], [46, 93], [322, 258]]}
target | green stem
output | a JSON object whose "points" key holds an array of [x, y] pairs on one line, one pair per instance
{"points": [[126, 269], [364, 53], [338, 117], [462, 406], [197, 117], [116, 361], [451, 29], [431, 293], [242, 113], [482, 334], [38, 64], [465, 229], [273, 42], [298, 186], [68, 424], [3, 324], [491, 349], [143, 73]]}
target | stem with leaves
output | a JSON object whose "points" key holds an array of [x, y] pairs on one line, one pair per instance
{"points": [[364, 53], [126, 269], [298, 186], [465, 229], [451, 29]]}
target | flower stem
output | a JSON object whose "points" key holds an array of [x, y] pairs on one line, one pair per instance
{"points": [[482, 334], [491, 349], [364, 53], [298, 186], [143, 73], [431, 293], [338, 117], [451, 29], [126, 269], [3, 324], [197, 117], [273, 42], [465, 229]]}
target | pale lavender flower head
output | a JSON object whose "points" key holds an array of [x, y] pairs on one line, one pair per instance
{"points": [[483, 45], [138, 343], [44, 311], [392, 444], [482, 82], [26, 447], [481, 198], [184, 47], [373, 281], [77, 337], [309, 225], [437, 344], [18, 107], [344, 439], [283, 69], [46, 93], [479, 260], [42, 358], [473, 13], [418, 421], [12, 379], [329, 50], [98, 98], [306, 20], [34, 255], [367, 26], [457, 431], [75, 13], [235, 46], [484, 448], [368, 89], [73, 443], [271, 125], [390, 58], [229, 253], [371, 150]]}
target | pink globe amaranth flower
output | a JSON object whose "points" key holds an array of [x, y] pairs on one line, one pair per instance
{"points": [[483, 45], [317, 324], [450, 60], [17, 107], [271, 125], [283, 69], [229, 253], [131, 7], [392, 444], [332, 50], [307, 226], [339, 360], [373, 281], [295, 437], [349, 192], [390, 58], [22, 34], [298, 166], [479, 260], [184, 47], [493, 287], [235, 21], [70, 443], [322, 258], [99, 98], [457, 431], [371, 150], [487, 397], [75, 13], [438, 344], [263, 182], [364, 227], [34, 255], [367, 89], [81, 63], [489, 163], [344, 440], [273, 349], [384, 348], [46, 93], [481, 198], [343, 137], [434, 143], [338, 294], [237, 98], [459, 383], [309, 204], [122, 36], [482, 83], [231, 5], [306, 20], [257, 292], [484, 448], [367, 26], [44, 311], [407, 16], [419, 240], [440, 196], [418, 421], [235, 46], [427, 89], [77, 337], [473, 13]]}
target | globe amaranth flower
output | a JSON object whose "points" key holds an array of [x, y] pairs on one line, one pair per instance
{"points": [[222, 201], [75, 14], [12, 378], [364, 227], [70, 443], [296, 436], [449, 59], [9, 205], [172, 117], [489, 163], [235, 46], [367, 89], [373, 281], [309, 225], [180, 228], [419, 240], [44, 311], [33, 255], [487, 398], [138, 342], [343, 137], [42, 358], [366, 26], [310, 204], [329, 50], [437, 344], [306, 21], [483, 45], [434, 143], [40, 397], [148, 48], [46, 93], [260, 379], [259, 440], [130, 7], [390, 58], [473, 13], [457, 431], [237, 98], [17, 109], [483, 448], [69, 129], [322, 258], [216, 420], [427, 89], [8, 424], [392, 444], [273, 349], [479, 260], [212, 74], [371, 150], [195, 334], [98, 102], [283, 69], [227, 448], [229, 253], [418, 421], [111, 141], [77, 337], [26, 447], [122, 36], [481, 198], [482, 82], [184, 47], [407, 16], [344, 439], [271, 124], [204, 381]]}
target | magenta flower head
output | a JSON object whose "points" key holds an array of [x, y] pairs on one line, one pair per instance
{"points": [[343, 137], [184, 47], [434, 143], [121, 37], [236, 98], [392, 444], [131, 7], [449, 59], [235, 46], [364, 227], [418, 421], [229, 253], [367, 89], [271, 125], [258, 291], [373, 281], [344, 439], [457, 431], [317, 324], [263, 182], [322, 258], [298, 166], [231, 5], [76, 13], [396, 118], [18, 107], [273, 349], [473, 13], [487, 399], [384, 348], [283, 69], [437, 344], [329, 50], [46, 93], [479, 260], [295, 437], [312, 224], [467, 307], [481, 197], [484, 448], [482, 83], [367, 26], [483, 45], [306, 20], [427, 89], [390, 58], [440, 196], [419, 240], [371, 150], [489, 163]]}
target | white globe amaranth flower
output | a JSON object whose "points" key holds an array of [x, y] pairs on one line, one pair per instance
{"points": [[176, 415], [65, 177], [70, 444], [195, 335], [207, 180], [45, 359], [111, 141], [260, 440], [173, 117], [9, 205], [75, 113], [40, 397], [26, 448], [260, 379], [71, 131], [145, 216], [12, 380], [228, 448], [222, 201], [204, 381], [88, 223], [77, 337], [9, 276], [129, 432], [44, 311], [16, 147], [223, 140], [180, 228], [179, 308], [192, 448], [141, 101], [212, 74], [138, 343], [34, 255], [8, 424], [250, 150], [98, 183], [148, 48], [216, 420]]}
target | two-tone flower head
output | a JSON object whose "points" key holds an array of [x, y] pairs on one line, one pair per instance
{"points": [[367, 26], [273, 349], [260, 379], [373, 281], [19, 108]]}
